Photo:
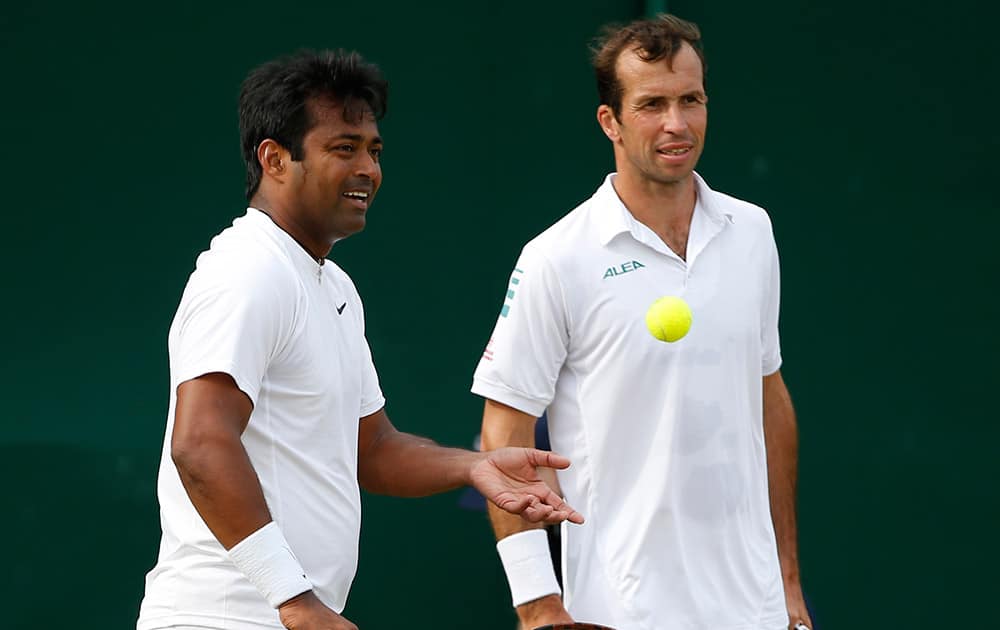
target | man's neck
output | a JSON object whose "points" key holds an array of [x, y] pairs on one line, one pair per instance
{"points": [[318, 251], [666, 209]]}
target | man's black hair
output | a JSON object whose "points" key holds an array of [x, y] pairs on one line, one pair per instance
{"points": [[274, 100]]}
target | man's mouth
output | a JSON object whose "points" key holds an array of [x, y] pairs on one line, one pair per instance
{"points": [[358, 198], [675, 151]]}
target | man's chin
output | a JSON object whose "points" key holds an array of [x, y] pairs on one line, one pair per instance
{"points": [[349, 228], [672, 179]]}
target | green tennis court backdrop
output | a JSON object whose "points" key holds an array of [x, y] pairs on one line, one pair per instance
{"points": [[865, 128]]}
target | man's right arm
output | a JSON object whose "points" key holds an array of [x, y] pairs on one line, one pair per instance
{"points": [[506, 426], [212, 413]]}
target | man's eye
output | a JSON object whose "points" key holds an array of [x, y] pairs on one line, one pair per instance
{"points": [[347, 148], [376, 153]]}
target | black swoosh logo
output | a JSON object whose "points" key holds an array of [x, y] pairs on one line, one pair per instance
{"points": [[340, 309]]}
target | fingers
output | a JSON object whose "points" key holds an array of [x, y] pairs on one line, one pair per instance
{"points": [[515, 504], [533, 510], [561, 511], [307, 612], [537, 512], [798, 619], [547, 459], [550, 510], [571, 515]]}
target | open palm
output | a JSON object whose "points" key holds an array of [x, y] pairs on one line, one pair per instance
{"points": [[508, 477]]}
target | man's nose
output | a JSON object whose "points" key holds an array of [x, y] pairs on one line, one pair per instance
{"points": [[674, 120], [367, 165]]}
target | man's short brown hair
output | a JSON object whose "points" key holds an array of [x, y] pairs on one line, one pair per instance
{"points": [[659, 38]]}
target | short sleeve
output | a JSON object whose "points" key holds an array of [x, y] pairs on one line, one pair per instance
{"points": [[371, 394], [372, 398], [770, 343], [530, 341], [235, 323]]}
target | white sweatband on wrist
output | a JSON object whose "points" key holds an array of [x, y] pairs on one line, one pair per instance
{"points": [[528, 565], [268, 562]]}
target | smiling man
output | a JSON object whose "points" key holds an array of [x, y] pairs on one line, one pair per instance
{"points": [[276, 415], [691, 520]]}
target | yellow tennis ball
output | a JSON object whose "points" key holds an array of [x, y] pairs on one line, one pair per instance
{"points": [[669, 318]]}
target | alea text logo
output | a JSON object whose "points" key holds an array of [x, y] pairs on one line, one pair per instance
{"points": [[625, 267]]}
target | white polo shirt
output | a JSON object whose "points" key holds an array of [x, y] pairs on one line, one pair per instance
{"points": [[291, 334], [666, 440]]}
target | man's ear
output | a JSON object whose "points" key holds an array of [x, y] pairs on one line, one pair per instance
{"points": [[609, 124], [274, 159]]}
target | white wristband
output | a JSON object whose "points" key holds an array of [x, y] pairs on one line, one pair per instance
{"points": [[268, 562], [528, 565]]}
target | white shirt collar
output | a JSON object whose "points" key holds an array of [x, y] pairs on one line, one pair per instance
{"points": [[295, 251], [613, 218]]}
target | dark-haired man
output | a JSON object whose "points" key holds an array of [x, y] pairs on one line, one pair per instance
{"points": [[668, 440], [276, 413]]}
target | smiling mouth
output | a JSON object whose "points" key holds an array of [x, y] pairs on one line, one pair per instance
{"points": [[358, 198], [675, 152]]}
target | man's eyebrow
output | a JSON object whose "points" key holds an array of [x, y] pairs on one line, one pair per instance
{"points": [[356, 137]]}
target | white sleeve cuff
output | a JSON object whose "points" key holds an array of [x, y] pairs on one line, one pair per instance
{"points": [[508, 396]]}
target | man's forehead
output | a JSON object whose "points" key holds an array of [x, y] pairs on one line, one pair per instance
{"points": [[683, 72], [332, 114], [354, 110]]}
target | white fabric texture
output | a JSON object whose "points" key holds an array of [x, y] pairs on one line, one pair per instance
{"points": [[528, 565], [290, 332], [268, 561], [666, 439]]}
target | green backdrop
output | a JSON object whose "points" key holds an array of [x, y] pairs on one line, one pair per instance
{"points": [[865, 128]]}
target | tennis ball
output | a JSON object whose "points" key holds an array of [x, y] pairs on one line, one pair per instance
{"points": [[669, 318]]}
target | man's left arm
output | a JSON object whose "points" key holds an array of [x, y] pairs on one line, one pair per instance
{"points": [[404, 465], [782, 443]]}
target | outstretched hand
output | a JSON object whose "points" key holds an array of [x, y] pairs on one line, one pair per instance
{"points": [[509, 478]]}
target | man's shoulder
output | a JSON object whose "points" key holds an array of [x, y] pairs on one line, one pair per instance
{"points": [[338, 272], [739, 210], [751, 222], [570, 236], [241, 259]]}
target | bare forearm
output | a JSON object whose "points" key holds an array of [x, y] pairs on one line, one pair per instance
{"points": [[405, 465], [548, 608], [781, 438], [222, 485], [390, 462], [214, 468], [504, 426]]}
